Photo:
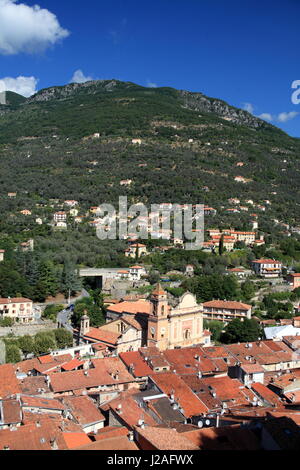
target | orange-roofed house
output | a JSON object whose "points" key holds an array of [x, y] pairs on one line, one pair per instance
{"points": [[136, 272], [294, 280], [120, 335], [17, 308], [248, 373], [84, 412], [125, 411], [267, 268], [154, 438], [225, 310], [179, 393]]}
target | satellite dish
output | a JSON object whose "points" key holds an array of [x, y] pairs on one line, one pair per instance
{"points": [[207, 422], [200, 424]]}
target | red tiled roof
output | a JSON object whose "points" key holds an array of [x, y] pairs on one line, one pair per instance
{"points": [[74, 364], [266, 261], [15, 300], [105, 336], [266, 394], [139, 306], [109, 431], [158, 290], [224, 438], [40, 402], [75, 439], [252, 368], [170, 383], [228, 304], [12, 413], [184, 360], [45, 359], [229, 390], [130, 412], [141, 368], [102, 374], [9, 384], [165, 439], [83, 410], [118, 443]]}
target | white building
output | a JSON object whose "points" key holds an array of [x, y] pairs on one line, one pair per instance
{"points": [[278, 332], [267, 268], [136, 272], [60, 216], [19, 309]]}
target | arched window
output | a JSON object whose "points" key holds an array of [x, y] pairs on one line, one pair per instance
{"points": [[187, 334]]}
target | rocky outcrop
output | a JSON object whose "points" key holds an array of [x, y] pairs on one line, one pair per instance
{"points": [[201, 103], [63, 92]]}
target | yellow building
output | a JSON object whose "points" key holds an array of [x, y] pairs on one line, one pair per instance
{"points": [[173, 327]]}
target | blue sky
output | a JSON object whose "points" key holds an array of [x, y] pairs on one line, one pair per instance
{"points": [[244, 52]]}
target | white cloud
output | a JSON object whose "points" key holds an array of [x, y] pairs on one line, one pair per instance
{"points": [[79, 77], [249, 107], [151, 84], [27, 29], [25, 86], [266, 116], [283, 117]]}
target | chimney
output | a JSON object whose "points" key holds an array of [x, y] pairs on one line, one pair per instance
{"points": [[53, 444]]}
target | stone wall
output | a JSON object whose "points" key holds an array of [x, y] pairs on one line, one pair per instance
{"points": [[30, 329]]}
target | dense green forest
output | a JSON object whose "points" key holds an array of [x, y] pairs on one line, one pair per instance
{"points": [[192, 148]]}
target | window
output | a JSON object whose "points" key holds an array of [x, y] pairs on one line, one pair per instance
{"points": [[187, 334]]}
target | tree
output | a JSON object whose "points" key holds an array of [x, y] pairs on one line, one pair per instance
{"points": [[153, 277], [7, 321], [87, 306], [70, 281], [248, 290], [11, 281], [44, 342], [241, 331], [221, 245], [13, 354], [64, 338], [26, 344], [215, 327], [51, 311], [49, 279]]}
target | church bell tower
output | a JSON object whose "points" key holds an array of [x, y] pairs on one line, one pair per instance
{"points": [[158, 328]]}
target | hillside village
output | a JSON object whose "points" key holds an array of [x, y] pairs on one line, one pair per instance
{"points": [[138, 343]]}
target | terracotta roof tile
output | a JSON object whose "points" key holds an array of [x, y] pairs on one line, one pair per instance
{"points": [[227, 304], [140, 367], [118, 443], [165, 439], [11, 412], [170, 383], [139, 306], [83, 410], [9, 385]]}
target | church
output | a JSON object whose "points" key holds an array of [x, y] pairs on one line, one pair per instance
{"points": [[151, 323]]}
